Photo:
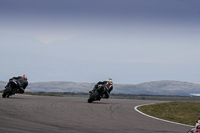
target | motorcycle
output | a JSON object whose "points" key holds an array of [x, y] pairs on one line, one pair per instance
{"points": [[196, 129], [97, 93], [10, 89]]}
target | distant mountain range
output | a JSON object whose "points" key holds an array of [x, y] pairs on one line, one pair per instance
{"points": [[165, 87]]}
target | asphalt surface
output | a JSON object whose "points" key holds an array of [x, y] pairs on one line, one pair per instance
{"points": [[45, 114]]}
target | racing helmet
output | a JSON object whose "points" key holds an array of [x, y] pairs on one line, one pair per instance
{"points": [[198, 123], [24, 76], [110, 80]]}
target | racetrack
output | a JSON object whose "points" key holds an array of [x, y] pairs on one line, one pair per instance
{"points": [[47, 114]]}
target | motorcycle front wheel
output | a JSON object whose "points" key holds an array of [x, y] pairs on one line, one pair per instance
{"points": [[6, 92], [93, 96]]}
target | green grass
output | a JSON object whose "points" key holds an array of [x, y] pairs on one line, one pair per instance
{"points": [[38, 94], [157, 97], [56, 94], [181, 112]]}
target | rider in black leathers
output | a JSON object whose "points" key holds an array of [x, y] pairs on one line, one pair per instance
{"points": [[21, 82], [108, 87]]}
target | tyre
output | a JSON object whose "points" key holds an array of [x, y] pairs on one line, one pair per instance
{"points": [[93, 97], [6, 92]]}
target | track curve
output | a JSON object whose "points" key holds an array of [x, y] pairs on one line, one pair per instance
{"points": [[31, 114]]}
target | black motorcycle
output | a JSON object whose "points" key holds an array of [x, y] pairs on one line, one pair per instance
{"points": [[10, 89], [96, 94]]}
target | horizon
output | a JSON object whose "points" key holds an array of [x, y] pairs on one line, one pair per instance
{"points": [[114, 83]]}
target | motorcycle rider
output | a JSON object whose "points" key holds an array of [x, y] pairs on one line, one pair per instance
{"points": [[197, 125], [21, 82], [108, 87]]}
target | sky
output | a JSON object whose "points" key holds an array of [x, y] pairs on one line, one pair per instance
{"points": [[130, 41]]}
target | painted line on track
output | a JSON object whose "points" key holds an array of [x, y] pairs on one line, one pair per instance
{"points": [[136, 109]]}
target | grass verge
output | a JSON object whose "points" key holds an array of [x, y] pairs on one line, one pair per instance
{"points": [[181, 112], [38, 94]]}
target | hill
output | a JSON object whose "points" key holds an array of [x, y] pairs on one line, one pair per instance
{"points": [[165, 87]]}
